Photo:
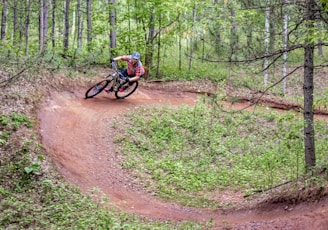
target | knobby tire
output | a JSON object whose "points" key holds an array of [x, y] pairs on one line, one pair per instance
{"points": [[126, 90], [96, 89]]}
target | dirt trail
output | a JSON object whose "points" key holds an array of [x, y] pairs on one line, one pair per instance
{"points": [[75, 134]]}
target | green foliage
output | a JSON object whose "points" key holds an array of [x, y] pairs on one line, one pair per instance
{"points": [[182, 152], [18, 119], [3, 137], [4, 120], [52, 205], [201, 70], [11, 123], [321, 102]]}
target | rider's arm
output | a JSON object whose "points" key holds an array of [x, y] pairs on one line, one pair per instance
{"points": [[123, 58]]}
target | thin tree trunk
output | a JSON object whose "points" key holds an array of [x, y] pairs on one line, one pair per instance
{"points": [[233, 38], [284, 70], [79, 26], [272, 29], [180, 46], [22, 10], [41, 23], [191, 38], [159, 47], [53, 29], [15, 23], [89, 23], [149, 44], [27, 27], [318, 19], [308, 86], [4, 20], [45, 23], [66, 26], [266, 41], [112, 34], [129, 26]]}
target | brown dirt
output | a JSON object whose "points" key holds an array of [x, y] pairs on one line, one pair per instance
{"points": [[75, 134]]}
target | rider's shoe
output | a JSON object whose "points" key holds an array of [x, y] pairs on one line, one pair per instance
{"points": [[108, 90], [124, 87]]}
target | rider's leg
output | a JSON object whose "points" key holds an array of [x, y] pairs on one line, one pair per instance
{"points": [[135, 78], [125, 73]]}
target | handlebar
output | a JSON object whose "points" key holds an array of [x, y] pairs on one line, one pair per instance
{"points": [[115, 68]]}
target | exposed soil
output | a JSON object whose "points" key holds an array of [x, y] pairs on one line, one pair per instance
{"points": [[75, 133]]}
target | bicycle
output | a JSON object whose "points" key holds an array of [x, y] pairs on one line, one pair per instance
{"points": [[113, 82]]}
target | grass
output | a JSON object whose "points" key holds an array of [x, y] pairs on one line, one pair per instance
{"points": [[46, 204], [185, 152], [33, 196]]}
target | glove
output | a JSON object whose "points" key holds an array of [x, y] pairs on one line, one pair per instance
{"points": [[111, 60]]}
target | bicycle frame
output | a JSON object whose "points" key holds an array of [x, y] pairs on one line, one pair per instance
{"points": [[112, 81]]}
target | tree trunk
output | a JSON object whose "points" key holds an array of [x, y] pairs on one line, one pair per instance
{"points": [[66, 26], [15, 23], [284, 70], [89, 24], [272, 29], [233, 37], [22, 14], [191, 51], [266, 41], [129, 27], [318, 19], [180, 45], [53, 29], [159, 46], [41, 22], [45, 23], [308, 88], [112, 34], [27, 27], [4, 20], [79, 25], [149, 44]]}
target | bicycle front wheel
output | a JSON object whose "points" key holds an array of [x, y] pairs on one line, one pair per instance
{"points": [[126, 90], [96, 89]]}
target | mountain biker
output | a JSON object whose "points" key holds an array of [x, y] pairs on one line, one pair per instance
{"points": [[135, 69]]}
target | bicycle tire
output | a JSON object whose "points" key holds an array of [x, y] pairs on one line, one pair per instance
{"points": [[96, 89], [126, 90]]}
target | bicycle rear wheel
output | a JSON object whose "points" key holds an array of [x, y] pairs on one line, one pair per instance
{"points": [[126, 90], [96, 89]]}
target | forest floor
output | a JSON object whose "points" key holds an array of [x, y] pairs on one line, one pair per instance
{"points": [[77, 135]]}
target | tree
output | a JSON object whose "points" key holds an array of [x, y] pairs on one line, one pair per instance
{"points": [[66, 25], [79, 24], [43, 24], [89, 23], [27, 27], [112, 21], [266, 41], [4, 21], [310, 17], [53, 22]]}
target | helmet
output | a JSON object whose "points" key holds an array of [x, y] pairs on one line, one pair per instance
{"points": [[135, 55]]}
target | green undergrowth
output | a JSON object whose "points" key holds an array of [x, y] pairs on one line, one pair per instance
{"points": [[34, 196], [185, 153], [47, 204]]}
